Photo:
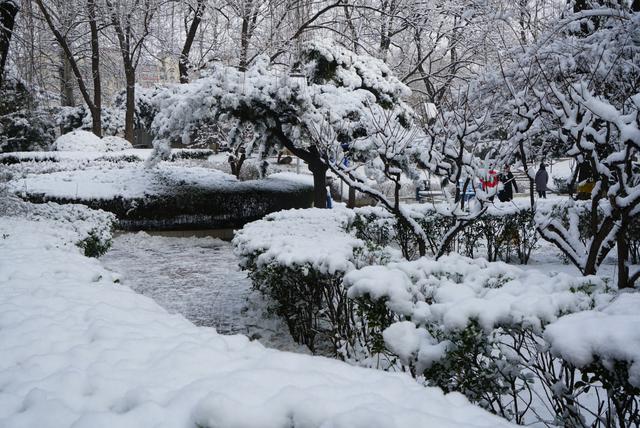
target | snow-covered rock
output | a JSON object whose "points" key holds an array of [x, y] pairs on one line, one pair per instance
{"points": [[80, 350]]}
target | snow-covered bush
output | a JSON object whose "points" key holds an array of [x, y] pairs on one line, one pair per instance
{"points": [[298, 258], [85, 141], [79, 118], [79, 141], [91, 229], [24, 125], [114, 143], [490, 330]]}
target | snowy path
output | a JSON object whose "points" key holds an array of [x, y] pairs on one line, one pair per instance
{"points": [[198, 278]]}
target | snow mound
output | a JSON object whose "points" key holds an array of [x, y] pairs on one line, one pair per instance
{"points": [[114, 143], [79, 141], [80, 350], [84, 141], [298, 237]]}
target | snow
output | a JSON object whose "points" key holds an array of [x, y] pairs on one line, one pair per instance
{"points": [[297, 237], [134, 180], [462, 290], [609, 333], [198, 277], [83, 141], [82, 350], [79, 141]]}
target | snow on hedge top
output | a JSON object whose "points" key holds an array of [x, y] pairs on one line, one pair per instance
{"points": [[83, 141], [300, 236], [79, 350], [78, 221], [460, 290], [137, 181], [609, 333]]}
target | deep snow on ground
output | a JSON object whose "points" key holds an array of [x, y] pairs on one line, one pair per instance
{"points": [[199, 278], [79, 349]]}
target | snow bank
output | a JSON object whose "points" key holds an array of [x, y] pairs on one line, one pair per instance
{"points": [[297, 237], [80, 350]]}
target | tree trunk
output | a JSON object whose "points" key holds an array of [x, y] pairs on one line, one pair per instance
{"points": [[129, 134], [62, 41], [319, 171], [66, 86], [8, 12], [351, 202], [96, 111], [183, 63], [623, 261]]}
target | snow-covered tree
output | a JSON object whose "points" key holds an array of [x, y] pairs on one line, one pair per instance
{"points": [[576, 91], [328, 87]]}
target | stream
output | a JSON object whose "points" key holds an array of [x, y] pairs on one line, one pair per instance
{"points": [[199, 278]]}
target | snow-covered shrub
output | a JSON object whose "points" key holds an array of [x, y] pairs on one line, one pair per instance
{"points": [[79, 118], [114, 143], [298, 258], [488, 329], [79, 141], [197, 154], [85, 141], [91, 229], [24, 125]]}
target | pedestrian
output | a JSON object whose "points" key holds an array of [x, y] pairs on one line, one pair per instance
{"points": [[489, 183], [508, 185], [542, 178]]}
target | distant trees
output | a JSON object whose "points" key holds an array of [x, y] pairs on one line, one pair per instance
{"points": [[8, 11]]}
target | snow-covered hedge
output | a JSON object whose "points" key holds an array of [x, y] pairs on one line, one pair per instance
{"points": [[482, 328], [298, 258], [501, 335], [80, 350], [89, 229], [167, 196]]}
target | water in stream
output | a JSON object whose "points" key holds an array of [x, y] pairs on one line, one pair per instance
{"points": [[199, 278]]}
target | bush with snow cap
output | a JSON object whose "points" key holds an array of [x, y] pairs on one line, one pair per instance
{"points": [[85, 141], [500, 334], [114, 143], [298, 259]]}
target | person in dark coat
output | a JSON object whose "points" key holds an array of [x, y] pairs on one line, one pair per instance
{"points": [[542, 178], [508, 185]]}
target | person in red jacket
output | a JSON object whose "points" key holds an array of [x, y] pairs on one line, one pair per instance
{"points": [[490, 183]]}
